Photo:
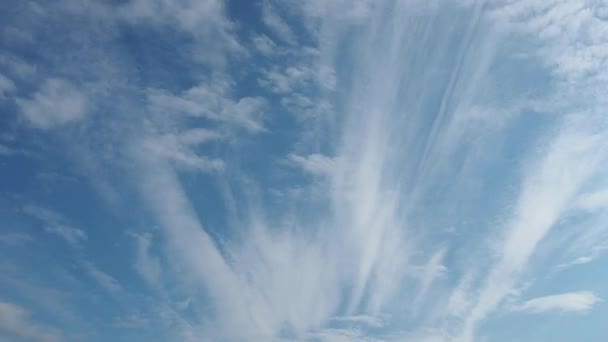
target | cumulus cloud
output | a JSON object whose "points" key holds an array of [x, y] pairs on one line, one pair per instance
{"points": [[577, 302], [56, 103]]}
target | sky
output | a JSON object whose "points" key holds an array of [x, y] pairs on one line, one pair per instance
{"points": [[303, 170]]}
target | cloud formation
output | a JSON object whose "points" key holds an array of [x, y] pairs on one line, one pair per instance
{"points": [[56, 103], [16, 325], [346, 170], [54, 223], [581, 302]]}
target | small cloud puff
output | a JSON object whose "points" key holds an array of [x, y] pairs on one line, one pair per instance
{"points": [[56, 103], [315, 164]]}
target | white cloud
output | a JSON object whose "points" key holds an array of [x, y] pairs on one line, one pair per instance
{"points": [[72, 235], [16, 325], [146, 264], [560, 26], [428, 274], [327, 77], [315, 164], [582, 302], [578, 261], [274, 22], [204, 20], [7, 86], [549, 189], [212, 101], [56, 103], [394, 168], [179, 150], [348, 9], [597, 200], [265, 45], [342, 335], [459, 301], [383, 172], [106, 281], [190, 247], [55, 224], [287, 80], [188, 14], [546, 192]]}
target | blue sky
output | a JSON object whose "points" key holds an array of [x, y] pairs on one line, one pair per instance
{"points": [[347, 170]]}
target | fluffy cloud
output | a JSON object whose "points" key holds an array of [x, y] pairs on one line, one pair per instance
{"points": [[287, 80], [56, 103], [212, 101], [315, 164], [203, 20], [264, 45], [179, 149]]}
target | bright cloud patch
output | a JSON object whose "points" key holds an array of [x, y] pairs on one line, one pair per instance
{"points": [[56, 103], [566, 302]]}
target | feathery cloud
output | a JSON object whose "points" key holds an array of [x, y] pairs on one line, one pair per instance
{"points": [[580, 302]]}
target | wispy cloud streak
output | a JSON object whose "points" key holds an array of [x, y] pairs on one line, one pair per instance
{"points": [[370, 170]]}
